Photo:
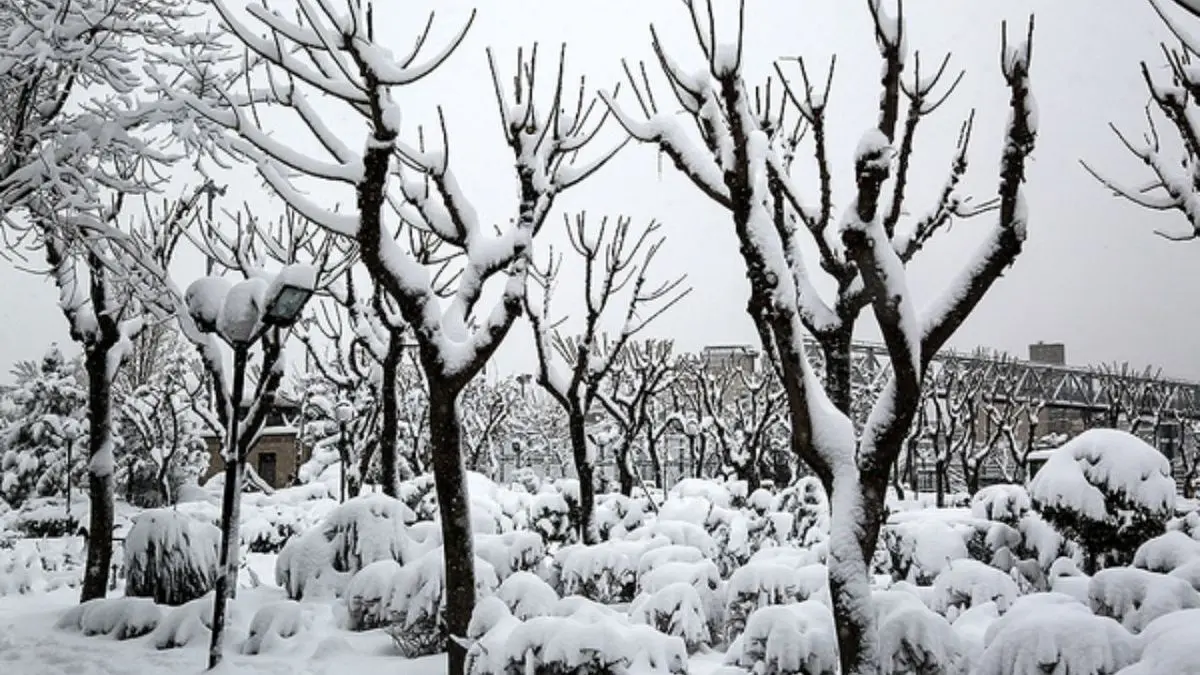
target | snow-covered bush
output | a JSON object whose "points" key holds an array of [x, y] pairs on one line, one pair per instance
{"points": [[807, 502], [45, 517], [966, 583], [675, 609], [417, 601], [170, 557], [274, 627], [1108, 490], [367, 595], [666, 554], [605, 572], [118, 618], [712, 492], [914, 639], [1166, 552], [1169, 646], [1001, 503], [570, 645], [792, 639], [1188, 523], [511, 552], [1054, 633], [191, 623], [919, 549], [1136, 597], [761, 584], [527, 596], [357, 533]]}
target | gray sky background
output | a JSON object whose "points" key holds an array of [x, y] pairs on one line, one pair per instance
{"points": [[1093, 274]]}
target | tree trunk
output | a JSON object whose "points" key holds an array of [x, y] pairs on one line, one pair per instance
{"points": [[838, 368], [896, 482], [100, 473], [656, 464], [858, 507], [450, 480], [589, 531], [390, 423], [625, 469], [939, 479]]}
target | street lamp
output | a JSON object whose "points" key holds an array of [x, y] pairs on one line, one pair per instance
{"points": [[343, 413], [241, 314]]}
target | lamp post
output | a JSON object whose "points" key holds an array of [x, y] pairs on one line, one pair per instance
{"points": [[343, 412], [241, 314]]}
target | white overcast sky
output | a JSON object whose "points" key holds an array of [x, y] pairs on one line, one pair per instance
{"points": [[1093, 274]]}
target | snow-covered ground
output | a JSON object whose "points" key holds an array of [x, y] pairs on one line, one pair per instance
{"points": [[712, 579]]}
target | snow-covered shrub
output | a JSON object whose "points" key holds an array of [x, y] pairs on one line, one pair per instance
{"points": [[1167, 552], [679, 533], [367, 595], [666, 554], [1066, 579], [1041, 542], [1054, 633], [511, 552], [675, 609], [527, 596], [569, 645], [170, 557], [417, 601], [807, 502], [1001, 503], [702, 575], [45, 517], [274, 627], [1188, 523], [191, 623], [605, 572], [920, 549], [792, 639], [765, 583], [1169, 646], [712, 492], [1136, 597], [966, 583], [119, 618], [1108, 490], [914, 639], [971, 628], [551, 516], [357, 533], [1189, 572]]}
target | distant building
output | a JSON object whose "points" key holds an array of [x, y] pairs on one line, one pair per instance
{"points": [[741, 357], [278, 454]]}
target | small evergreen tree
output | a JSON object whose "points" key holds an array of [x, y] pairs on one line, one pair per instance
{"points": [[49, 422]]}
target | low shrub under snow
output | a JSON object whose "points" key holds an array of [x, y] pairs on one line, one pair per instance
{"points": [[119, 618], [170, 557]]}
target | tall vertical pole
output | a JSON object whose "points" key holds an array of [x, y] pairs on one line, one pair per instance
{"points": [[227, 565]]}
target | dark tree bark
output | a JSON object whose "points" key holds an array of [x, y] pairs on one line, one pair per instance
{"points": [[97, 358], [585, 470], [450, 480]]}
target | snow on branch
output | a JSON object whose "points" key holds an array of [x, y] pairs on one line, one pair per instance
{"points": [[1005, 240], [1173, 185]]}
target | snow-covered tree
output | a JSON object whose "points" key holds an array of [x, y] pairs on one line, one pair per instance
{"points": [[613, 257], [77, 135], [156, 394], [43, 441], [738, 144], [740, 410], [642, 371], [1172, 162], [335, 53], [486, 409]]}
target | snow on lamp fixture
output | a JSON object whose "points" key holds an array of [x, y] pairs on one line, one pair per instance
{"points": [[288, 294], [204, 298]]}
